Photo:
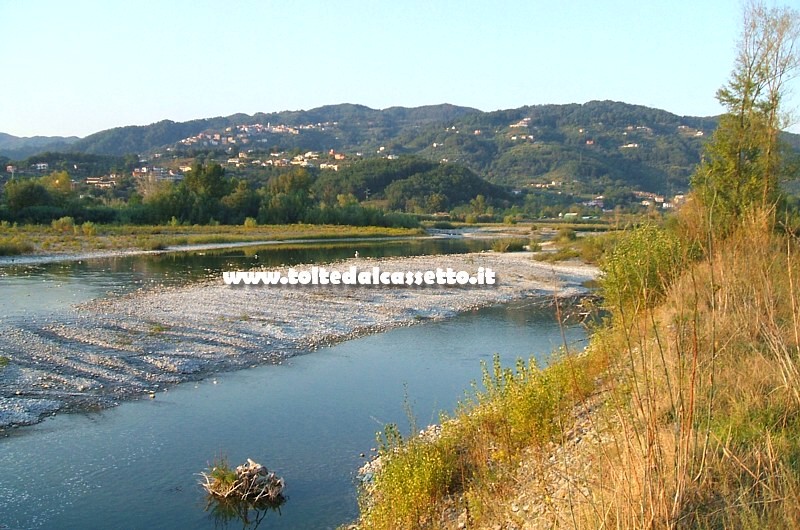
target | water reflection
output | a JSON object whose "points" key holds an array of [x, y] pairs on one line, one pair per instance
{"points": [[230, 512]]}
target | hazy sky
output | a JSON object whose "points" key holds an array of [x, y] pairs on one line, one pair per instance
{"points": [[77, 67]]}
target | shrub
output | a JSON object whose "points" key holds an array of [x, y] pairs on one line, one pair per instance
{"points": [[89, 228], [640, 267], [14, 247], [250, 222], [566, 234], [509, 245], [63, 224]]}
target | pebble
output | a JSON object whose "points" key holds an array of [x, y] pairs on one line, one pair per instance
{"points": [[123, 344]]}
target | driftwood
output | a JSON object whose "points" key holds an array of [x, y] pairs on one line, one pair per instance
{"points": [[250, 482]]}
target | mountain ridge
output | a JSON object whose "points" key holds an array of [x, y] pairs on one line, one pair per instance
{"points": [[608, 143], [11, 142]]}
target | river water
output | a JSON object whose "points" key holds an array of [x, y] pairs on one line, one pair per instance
{"points": [[310, 419]]}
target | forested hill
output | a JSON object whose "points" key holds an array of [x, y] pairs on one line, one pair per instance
{"points": [[608, 144], [15, 147], [357, 123]]}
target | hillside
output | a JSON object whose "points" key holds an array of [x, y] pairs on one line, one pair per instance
{"points": [[594, 148], [16, 148], [590, 148], [348, 126]]}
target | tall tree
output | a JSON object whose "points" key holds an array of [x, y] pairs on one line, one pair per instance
{"points": [[742, 164]]}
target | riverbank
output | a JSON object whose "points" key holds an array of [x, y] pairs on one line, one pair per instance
{"points": [[64, 239], [150, 240], [139, 344], [681, 411]]}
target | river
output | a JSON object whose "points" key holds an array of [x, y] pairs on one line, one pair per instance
{"points": [[309, 419]]}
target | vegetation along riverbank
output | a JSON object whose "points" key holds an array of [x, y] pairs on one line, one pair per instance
{"points": [[683, 411]]}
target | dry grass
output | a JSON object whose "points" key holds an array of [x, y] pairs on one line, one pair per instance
{"points": [[706, 410], [684, 412]]}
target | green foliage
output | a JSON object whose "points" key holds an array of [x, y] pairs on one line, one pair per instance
{"points": [[222, 476], [413, 476], [517, 408], [286, 198], [367, 178], [23, 194], [4, 361], [439, 189], [250, 222], [745, 159], [58, 183], [206, 181], [593, 248], [640, 268]]}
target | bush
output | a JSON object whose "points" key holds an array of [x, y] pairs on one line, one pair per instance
{"points": [[640, 268], [89, 228], [509, 245], [14, 247], [63, 224], [250, 222], [518, 408], [566, 235]]}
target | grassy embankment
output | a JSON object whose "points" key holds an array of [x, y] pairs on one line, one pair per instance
{"points": [[684, 410], [63, 236]]}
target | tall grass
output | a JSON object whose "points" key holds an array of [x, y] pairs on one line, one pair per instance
{"points": [[706, 431], [684, 411]]}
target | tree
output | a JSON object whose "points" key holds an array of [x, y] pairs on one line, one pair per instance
{"points": [[286, 198], [207, 181], [241, 204], [24, 194], [58, 183], [742, 163]]}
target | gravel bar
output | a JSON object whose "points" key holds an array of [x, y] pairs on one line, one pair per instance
{"points": [[124, 347]]}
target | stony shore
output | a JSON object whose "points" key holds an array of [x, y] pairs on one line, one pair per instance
{"points": [[135, 345]]}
